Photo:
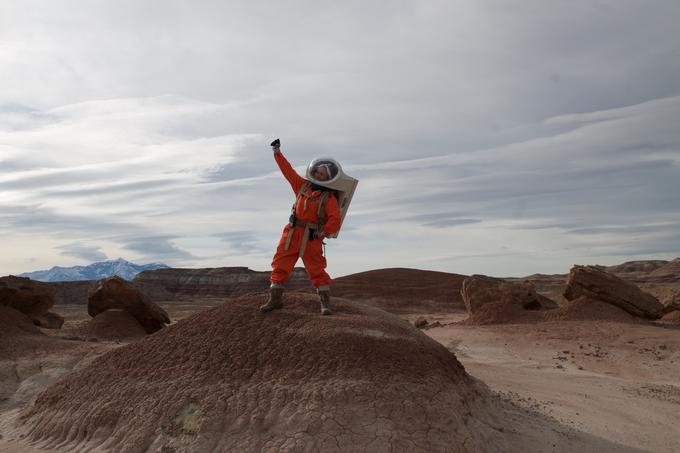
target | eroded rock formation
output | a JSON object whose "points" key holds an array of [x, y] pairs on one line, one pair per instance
{"points": [[598, 284], [116, 293], [480, 290], [30, 297]]}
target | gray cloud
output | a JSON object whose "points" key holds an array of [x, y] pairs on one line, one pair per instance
{"points": [[241, 242], [156, 248], [83, 251]]}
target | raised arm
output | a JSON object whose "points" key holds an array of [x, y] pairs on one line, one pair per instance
{"points": [[296, 181]]}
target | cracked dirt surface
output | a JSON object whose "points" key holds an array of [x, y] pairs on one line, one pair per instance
{"points": [[232, 379]]}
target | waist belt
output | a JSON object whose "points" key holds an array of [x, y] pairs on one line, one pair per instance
{"points": [[305, 236]]}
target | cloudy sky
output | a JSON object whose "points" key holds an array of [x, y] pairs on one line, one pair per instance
{"points": [[503, 137]]}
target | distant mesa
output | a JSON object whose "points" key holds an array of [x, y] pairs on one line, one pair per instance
{"points": [[95, 271], [232, 379]]}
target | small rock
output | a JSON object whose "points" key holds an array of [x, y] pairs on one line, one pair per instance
{"points": [[420, 323]]}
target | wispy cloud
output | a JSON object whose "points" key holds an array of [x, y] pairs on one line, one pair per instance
{"points": [[479, 148]]}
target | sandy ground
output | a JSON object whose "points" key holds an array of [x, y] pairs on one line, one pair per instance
{"points": [[617, 384]]}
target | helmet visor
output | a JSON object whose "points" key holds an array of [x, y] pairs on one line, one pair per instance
{"points": [[323, 171]]}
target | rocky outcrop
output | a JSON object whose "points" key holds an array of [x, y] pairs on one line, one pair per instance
{"points": [[116, 293], [172, 284], [480, 290], [50, 320], [598, 284], [30, 297]]}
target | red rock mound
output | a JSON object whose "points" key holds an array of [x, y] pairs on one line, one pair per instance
{"points": [[587, 309], [17, 333], [400, 290], [672, 318], [13, 322], [114, 325], [233, 379]]}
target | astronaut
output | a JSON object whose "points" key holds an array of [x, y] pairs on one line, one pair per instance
{"points": [[316, 215]]}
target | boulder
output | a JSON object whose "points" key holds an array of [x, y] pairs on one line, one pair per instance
{"points": [[596, 283], [480, 290], [50, 320], [30, 297], [116, 293]]}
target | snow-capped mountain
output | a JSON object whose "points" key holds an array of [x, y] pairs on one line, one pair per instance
{"points": [[94, 271]]}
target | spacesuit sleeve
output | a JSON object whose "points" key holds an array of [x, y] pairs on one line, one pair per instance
{"points": [[296, 181], [332, 216]]}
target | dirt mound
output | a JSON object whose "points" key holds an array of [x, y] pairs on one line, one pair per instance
{"points": [[13, 322], [400, 290], [672, 318], [114, 325], [19, 336], [233, 379], [587, 309]]}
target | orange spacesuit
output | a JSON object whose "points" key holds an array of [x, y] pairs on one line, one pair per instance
{"points": [[311, 226]]}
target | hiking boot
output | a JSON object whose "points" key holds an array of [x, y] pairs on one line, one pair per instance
{"points": [[325, 298], [274, 302]]}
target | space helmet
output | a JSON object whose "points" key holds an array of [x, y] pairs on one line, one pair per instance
{"points": [[324, 171]]}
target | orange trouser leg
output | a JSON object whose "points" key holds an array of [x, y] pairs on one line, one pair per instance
{"points": [[315, 264], [284, 260]]}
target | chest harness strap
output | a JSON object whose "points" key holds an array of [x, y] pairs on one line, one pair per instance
{"points": [[295, 223]]}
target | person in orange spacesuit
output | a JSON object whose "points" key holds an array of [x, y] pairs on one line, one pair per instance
{"points": [[315, 215]]}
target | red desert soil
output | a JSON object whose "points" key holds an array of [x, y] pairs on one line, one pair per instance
{"points": [[109, 325], [232, 379], [401, 290]]}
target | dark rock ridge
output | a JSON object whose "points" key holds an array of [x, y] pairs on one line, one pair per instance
{"points": [[73, 292], [176, 283], [403, 290], [594, 282], [116, 293], [31, 298], [94, 271]]}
